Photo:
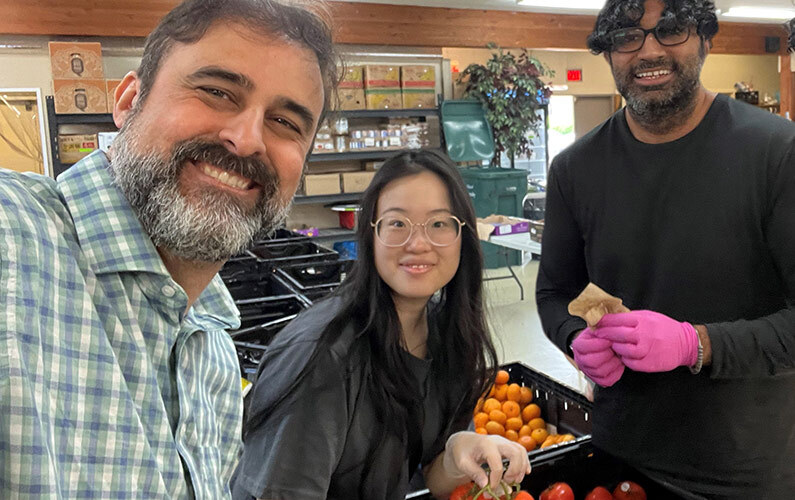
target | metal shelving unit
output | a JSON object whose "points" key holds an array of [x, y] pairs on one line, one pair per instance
{"points": [[54, 121]]}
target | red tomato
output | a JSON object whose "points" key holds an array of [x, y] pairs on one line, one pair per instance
{"points": [[557, 491], [627, 490], [463, 492], [599, 493], [523, 495]]}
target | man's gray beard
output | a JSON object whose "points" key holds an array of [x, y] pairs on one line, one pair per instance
{"points": [[663, 114], [208, 226]]}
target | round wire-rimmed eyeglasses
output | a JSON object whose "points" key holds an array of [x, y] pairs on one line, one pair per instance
{"points": [[395, 230]]}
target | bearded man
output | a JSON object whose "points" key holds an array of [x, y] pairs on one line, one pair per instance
{"points": [[117, 377], [683, 205]]}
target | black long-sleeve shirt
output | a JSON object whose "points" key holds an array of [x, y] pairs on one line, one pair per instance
{"points": [[701, 229]]}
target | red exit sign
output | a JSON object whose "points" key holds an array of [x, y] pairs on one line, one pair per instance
{"points": [[574, 75]]}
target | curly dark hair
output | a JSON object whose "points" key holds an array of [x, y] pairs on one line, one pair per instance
{"points": [[618, 14], [791, 27]]}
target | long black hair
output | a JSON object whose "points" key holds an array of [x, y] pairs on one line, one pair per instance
{"points": [[464, 358], [618, 14]]}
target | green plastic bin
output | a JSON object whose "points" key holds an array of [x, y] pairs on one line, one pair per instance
{"points": [[496, 191]]}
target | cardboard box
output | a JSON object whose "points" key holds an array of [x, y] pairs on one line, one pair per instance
{"points": [[80, 96], [381, 76], [315, 185], [110, 88], [350, 99], [356, 182], [418, 77], [352, 75], [105, 139], [506, 225], [372, 166], [76, 60], [73, 148], [536, 230], [384, 98], [419, 98]]}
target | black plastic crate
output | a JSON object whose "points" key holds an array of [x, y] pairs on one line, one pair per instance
{"points": [[315, 280], [564, 409], [256, 283], [281, 235], [281, 253], [584, 467], [240, 267], [265, 310]]}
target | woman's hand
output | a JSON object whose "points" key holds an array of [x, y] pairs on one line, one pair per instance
{"points": [[465, 452]]}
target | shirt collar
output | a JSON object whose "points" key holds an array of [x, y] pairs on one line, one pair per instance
{"points": [[113, 240], [109, 232]]}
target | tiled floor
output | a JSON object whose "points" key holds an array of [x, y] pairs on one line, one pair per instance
{"points": [[516, 327]]}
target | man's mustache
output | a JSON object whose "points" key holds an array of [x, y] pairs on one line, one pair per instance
{"points": [[217, 155]]}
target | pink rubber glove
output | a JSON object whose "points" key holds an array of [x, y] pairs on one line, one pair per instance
{"points": [[596, 359], [651, 342]]}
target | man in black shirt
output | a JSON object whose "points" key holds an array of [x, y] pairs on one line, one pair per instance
{"points": [[683, 205]]}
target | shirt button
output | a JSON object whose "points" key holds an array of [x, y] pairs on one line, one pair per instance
{"points": [[168, 290]]}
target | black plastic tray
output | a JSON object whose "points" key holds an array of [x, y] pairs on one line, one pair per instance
{"points": [[281, 235], [264, 310], [257, 284], [240, 267], [280, 253]]}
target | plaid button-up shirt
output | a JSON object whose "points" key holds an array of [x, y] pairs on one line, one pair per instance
{"points": [[108, 389]]}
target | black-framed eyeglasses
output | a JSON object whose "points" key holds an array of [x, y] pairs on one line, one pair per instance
{"points": [[632, 39], [395, 230]]}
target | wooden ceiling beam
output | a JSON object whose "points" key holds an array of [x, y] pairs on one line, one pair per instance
{"points": [[361, 24]]}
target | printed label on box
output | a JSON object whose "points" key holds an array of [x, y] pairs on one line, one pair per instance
{"points": [[80, 96]]}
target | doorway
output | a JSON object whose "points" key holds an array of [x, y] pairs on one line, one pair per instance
{"points": [[591, 111]]}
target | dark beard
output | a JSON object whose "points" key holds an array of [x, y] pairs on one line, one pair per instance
{"points": [[662, 113], [203, 225]]}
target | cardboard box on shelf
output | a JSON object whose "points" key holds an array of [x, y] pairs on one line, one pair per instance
{"points": [[80, 96], [384, 98], [418, 77], [73, 148], [76, 60], [356, 182], [419, 98], [105, 139], [352, 74], [372, 166], [351, 99], [381, 76], [110, 87], [318, 184]]}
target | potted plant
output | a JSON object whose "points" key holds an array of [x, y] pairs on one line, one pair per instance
{"points": [[510, 87]]}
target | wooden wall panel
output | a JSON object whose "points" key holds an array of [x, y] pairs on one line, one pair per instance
{"points": [[787, 88], [358, 23]]}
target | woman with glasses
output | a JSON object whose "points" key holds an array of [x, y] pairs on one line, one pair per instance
{"points": [[382, 377]]}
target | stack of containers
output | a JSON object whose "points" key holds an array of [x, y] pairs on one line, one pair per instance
{"points": [[382, 87], [418, 85]]}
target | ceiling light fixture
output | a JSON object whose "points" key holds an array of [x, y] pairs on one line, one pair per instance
{"points": [[760, 13], [570, 4]]}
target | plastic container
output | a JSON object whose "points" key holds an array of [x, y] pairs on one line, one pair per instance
{"points": [[279, 253], [315, 280], [496, 191], [267, 309], [256, 284], [347, 249]]}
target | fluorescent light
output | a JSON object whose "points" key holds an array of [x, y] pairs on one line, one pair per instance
{"points": [[570, 4], [761, 13]]}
